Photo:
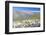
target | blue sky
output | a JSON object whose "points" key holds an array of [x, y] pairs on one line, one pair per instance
{"points": [[31, 9]]}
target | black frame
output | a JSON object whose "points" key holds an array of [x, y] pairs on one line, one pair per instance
{"points": [[7, 17]]}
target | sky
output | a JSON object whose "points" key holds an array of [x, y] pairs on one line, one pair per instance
{"points": [[26, 9]]}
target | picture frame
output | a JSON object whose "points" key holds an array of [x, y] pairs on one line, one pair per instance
{"points": [[12, 13]]}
